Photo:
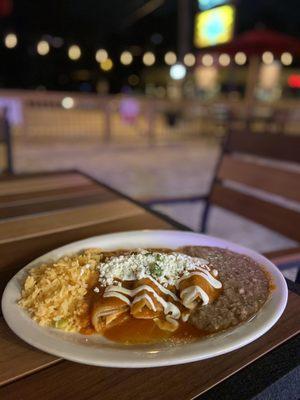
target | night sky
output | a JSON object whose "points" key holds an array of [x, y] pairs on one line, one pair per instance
{"points": [[110, 24]]}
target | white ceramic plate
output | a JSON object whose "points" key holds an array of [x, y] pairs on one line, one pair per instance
{"points": [[95, 350]]}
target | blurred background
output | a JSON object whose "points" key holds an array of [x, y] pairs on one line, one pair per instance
{"points": [[141, 93]]}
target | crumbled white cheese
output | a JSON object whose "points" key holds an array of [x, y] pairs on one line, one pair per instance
{"points": [[166, 268], [96, 289]]}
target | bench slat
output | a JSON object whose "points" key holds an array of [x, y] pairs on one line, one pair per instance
{"points": [[279, 147], [269, 179], [280, 219]]}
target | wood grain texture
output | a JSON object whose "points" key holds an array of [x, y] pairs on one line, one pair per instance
{"points": [[279, 147], [280, 219], [17, 186], [181, 382], [269, 179], [62, 202], [17, 358], [62, 220], [49, 194]]}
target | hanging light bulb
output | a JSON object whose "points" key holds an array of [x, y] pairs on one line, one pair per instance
{"points": [[126, 58], [10, 40], [74, 52], [240, 58], [189, 59], [43, 48], [106, 65], [267, 57], [148, 58], [101, 55], [170, 58], [207, 60]]}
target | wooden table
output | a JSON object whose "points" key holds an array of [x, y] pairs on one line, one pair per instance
{"points": [[42, 211]]}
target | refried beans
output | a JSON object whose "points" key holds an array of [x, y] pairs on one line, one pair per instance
{"points": [[245, 289]]}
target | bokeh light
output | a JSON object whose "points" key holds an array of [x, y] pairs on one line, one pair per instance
{"points": [[286, 58], [148, 58], [126, 58], [177, 71], [10, 40], [240, 58], [224, 60], [43, 48], [170, 58], [189, 60], [106, 65], [101, 55], [267, 57], [207, 60], [133, 79], [67, 103], [74, 52]]}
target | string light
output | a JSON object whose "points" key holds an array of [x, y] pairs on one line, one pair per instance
{"points": [[286, 58], [267, 57], [74, 52], [240, 58], [106, 65], [43, 48], [67, 103], [126, 58], [170, 58], [101, 55], [148, 58], [207, 60], [224, 60], [10, 40], [189, 59]]}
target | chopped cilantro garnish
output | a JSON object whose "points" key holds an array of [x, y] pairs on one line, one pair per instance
{"points": [[155, 269]]}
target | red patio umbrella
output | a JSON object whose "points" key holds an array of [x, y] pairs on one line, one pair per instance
{"points": [[257, 41]]}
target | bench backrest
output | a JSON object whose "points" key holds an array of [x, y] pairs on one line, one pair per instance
{"points": [[249, 182]]}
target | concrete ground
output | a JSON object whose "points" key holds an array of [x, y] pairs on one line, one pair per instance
{"points": [[141, 171]]}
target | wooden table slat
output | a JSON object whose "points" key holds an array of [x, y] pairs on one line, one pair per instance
{"points": [[18, 358], [9, 187], [54, 204], [49, 194], [57, 221]]}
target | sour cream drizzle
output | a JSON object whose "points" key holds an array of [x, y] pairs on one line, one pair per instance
{"points": [[206, 275], [169, 307], [189, 294], [147, 297], [118, 295]]}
